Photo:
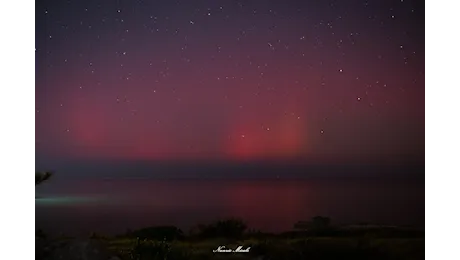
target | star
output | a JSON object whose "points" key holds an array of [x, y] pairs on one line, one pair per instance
{"points": [[244, 85]]}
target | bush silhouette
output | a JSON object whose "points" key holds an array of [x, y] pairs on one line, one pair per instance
{"points": [[316, 223], [320, 222], [231, 228], [167, 233]]}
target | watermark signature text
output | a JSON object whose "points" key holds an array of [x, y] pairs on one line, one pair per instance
{"points": [[239, 249]]}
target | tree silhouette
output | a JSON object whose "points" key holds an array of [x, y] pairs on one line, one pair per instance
{"points": [[39, 177]]}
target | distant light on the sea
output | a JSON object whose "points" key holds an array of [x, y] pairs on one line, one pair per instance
{"points": [[66, 200]]}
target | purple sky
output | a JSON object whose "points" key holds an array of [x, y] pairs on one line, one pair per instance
{"points": [[234, 80]]}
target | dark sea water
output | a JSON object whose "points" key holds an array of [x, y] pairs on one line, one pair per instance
{"points": [[113, 206]]}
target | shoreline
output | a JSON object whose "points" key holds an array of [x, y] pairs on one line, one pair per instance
{"points": [[169, 242], [342, 229]]}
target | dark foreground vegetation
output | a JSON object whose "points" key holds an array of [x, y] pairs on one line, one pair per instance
{"points": [[315, 239]]}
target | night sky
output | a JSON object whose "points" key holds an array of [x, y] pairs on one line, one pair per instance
{"points": [[319, 81]]}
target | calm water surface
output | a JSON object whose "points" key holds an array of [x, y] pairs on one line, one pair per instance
{"points": [[113, 206]]}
